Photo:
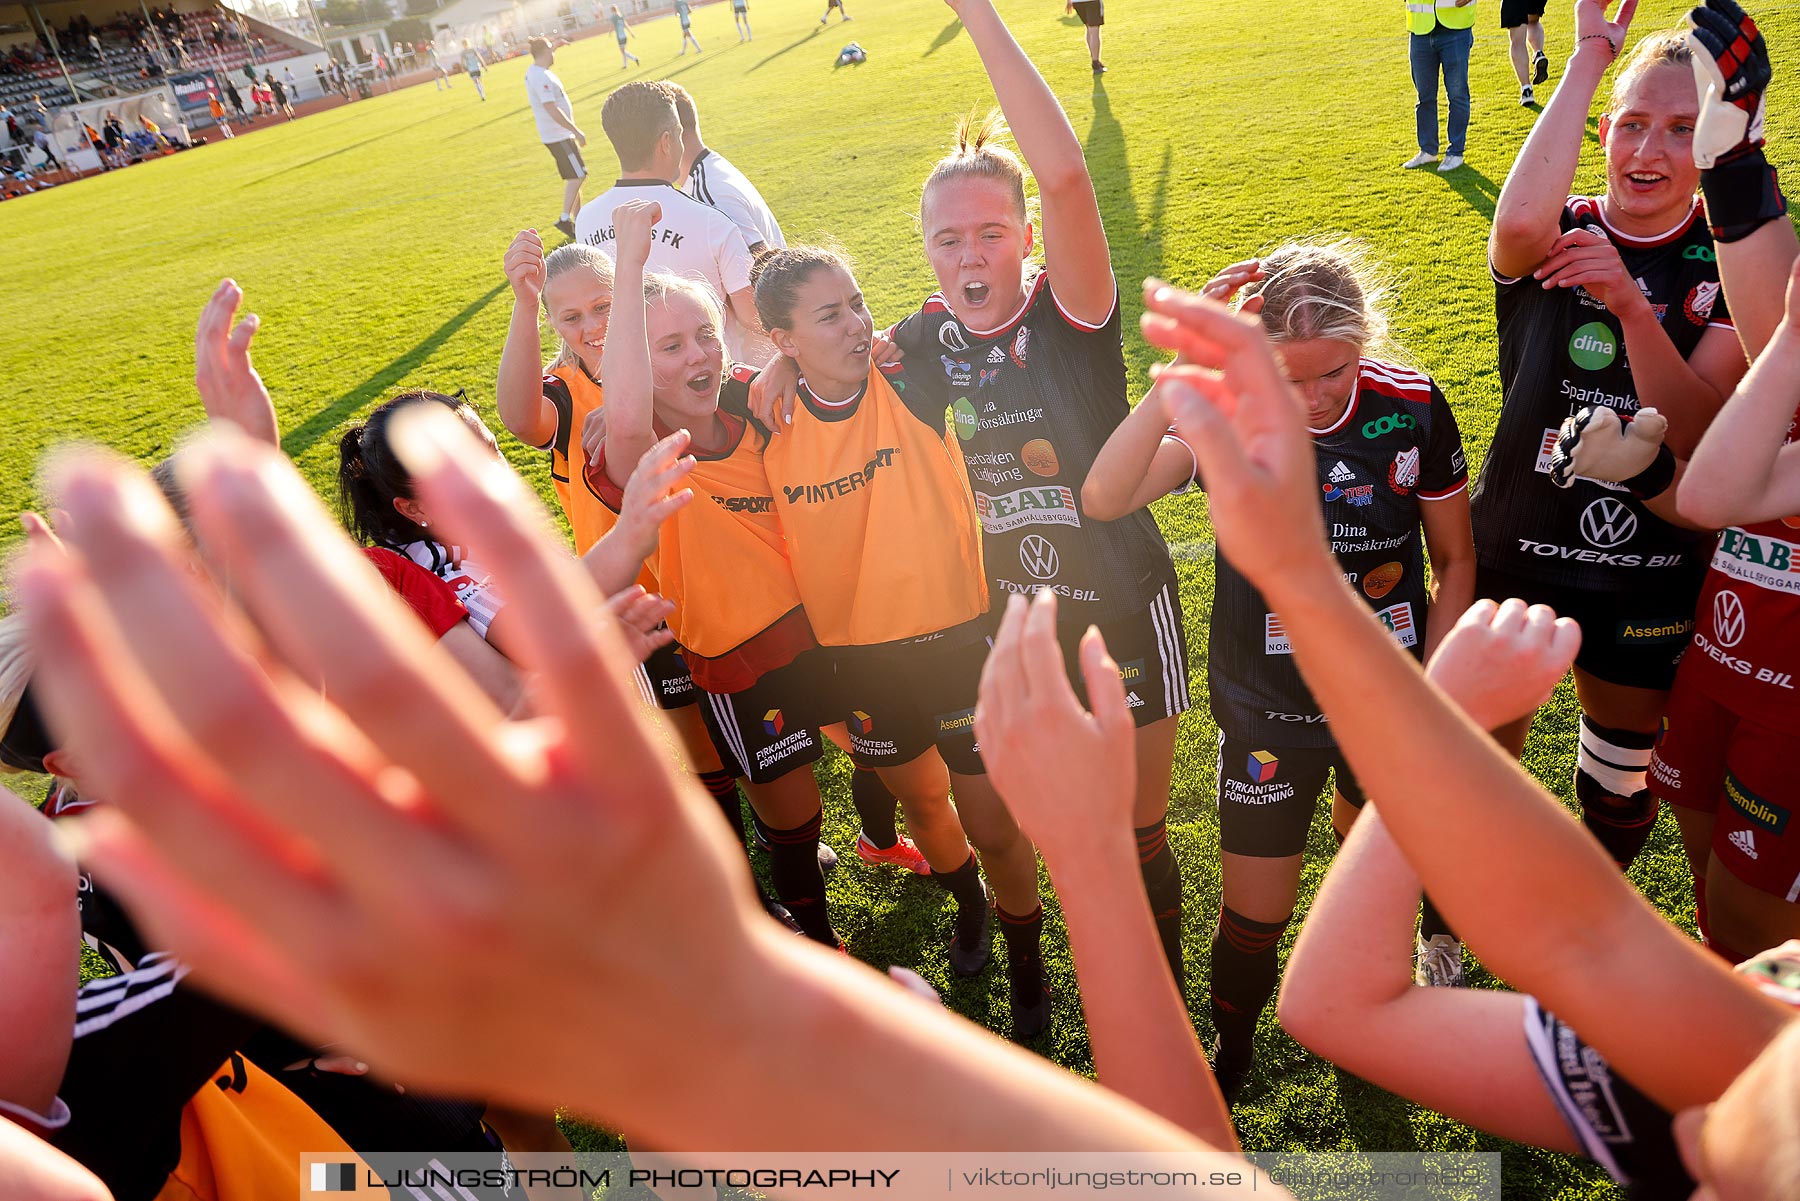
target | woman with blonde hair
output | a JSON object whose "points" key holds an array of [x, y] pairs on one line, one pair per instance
{"points": [[1390, 461]]}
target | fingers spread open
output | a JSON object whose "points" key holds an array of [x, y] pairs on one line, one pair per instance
{"points": [[328, 612], [583, 667], [111, 720]]}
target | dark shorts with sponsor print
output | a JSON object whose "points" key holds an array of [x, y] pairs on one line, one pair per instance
{"points": [[567, 154], [900, 699], [1514, 12], [1634, 639], [1710, 760], [663, 680], [1091, 12], [772, 727], [1267, 795], [1150, 647]]}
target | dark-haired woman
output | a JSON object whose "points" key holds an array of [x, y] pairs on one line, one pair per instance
{"points": [[885, 544], [381, 510]]}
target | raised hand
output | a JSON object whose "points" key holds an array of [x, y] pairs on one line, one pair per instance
{"points": [[1068, 775], [524, 265], [1247, 429], [634, 223], [1595, 445], [593, 433], [1230, 281], [230, 389], [1590, 21], [1732, 70], [1500, 662], [343, 864], [654, 493], [641, 616]]}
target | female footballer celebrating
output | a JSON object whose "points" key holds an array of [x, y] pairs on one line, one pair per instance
{"points": [[1031, 362], [721, 561], [886, 551], [1390, 459], [1609, 300], [546, 406]]}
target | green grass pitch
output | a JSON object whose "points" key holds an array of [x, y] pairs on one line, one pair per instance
{"points": [[369, 239]]}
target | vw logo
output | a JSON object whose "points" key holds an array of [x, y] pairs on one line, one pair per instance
{"points": [[1728, 618], [951, 335], [1038, 557], [1608, 523]]}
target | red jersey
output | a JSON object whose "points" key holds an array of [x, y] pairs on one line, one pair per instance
{"points": [[424, 593], [1745, 654]]}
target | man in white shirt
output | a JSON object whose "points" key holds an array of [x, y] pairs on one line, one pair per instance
{"points": [[556, 128], [712, 180], [693, 240]]}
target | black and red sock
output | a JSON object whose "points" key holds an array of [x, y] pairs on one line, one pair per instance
{"points": [[1162, 884], [794, 871]]}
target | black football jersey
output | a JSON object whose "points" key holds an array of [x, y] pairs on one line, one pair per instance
{"points": [[1396, 445], [1032, 403], [1560, 350]]}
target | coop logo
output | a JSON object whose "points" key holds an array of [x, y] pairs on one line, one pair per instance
{"points": [[1594, 346], [951, 335], [1038, 557], [774, 723], [1051, 505], [1728, 618], [1389, 423], [1703, 254], [1607, 523]]}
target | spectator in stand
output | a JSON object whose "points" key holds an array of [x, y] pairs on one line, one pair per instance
{"points": [[115, 133], [293, 85], [93, 40], [237, 99], [319, 70], [94, 140], [37, 112], [278, 95], [42, 139]]}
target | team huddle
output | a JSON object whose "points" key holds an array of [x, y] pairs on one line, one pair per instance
{"points": [[925, 538]]}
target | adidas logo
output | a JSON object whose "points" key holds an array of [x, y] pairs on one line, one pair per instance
{"points": [[1133, 701], [1341, 474], [997, 355], [1743, 841]]}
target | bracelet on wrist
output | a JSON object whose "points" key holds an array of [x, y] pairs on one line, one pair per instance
{"points": [[1590, 37], [1655, 479]]}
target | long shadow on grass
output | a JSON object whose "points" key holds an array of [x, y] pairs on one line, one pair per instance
{"points": [[1136, 241], [341, 150], [306, 435], [699, 58], [945, 36], [1480, 192], [813, 33]]}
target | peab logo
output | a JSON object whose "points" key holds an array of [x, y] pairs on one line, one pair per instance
{"points": [[1728, 618], [1608, 523], [1593, 346]]}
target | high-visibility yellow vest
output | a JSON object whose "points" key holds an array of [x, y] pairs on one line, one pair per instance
{"points": [[1424, 16]]}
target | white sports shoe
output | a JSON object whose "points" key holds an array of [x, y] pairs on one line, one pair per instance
{"points": [[1451, 162], [1439, 963], [1526, 97], [1420, 159]]}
